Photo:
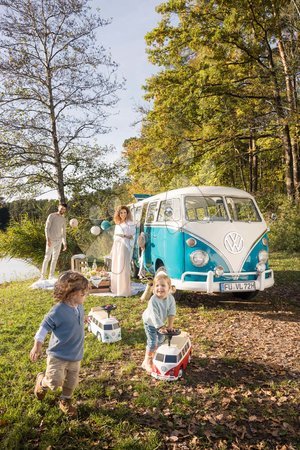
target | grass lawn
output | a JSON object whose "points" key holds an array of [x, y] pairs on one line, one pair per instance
{"points": [[240, 391]]}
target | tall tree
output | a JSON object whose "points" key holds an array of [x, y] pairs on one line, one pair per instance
{"points": [[57, 87], [221, 98]]}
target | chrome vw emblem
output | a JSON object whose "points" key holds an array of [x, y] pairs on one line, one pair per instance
{"points": [[234, 242]]}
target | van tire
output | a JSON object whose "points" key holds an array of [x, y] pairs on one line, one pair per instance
{"points": [[245, 295], [99, 337]]}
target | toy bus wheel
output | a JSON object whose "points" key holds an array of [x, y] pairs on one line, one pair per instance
{"points": [[99, 337], [180, 373], [245, 295]]}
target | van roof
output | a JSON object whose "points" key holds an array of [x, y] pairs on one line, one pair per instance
{"points": [[200, 190]]}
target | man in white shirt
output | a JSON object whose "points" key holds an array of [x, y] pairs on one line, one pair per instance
{"points": [[55, 231]]}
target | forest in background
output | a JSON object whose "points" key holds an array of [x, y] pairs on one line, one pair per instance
{"points": [[224, 105]]}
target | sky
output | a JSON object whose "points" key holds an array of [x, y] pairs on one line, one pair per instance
{"points": [[124, 38]]}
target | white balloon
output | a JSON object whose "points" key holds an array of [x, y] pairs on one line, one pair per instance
{"points": [[95, 230], [73, 223]]}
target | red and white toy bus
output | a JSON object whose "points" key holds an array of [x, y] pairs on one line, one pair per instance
{"points": [[172, 358]]}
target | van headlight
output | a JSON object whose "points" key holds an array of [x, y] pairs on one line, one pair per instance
{"points": [[199, 258], [219, 270], [263, 256], [260, 267]]}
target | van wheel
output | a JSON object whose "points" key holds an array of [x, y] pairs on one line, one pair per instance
{"points": [[99, 337], [180, 373], [245, 295], [134, 270]]}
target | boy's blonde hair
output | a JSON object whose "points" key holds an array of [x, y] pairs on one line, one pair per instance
{"points": [[68, 283]]}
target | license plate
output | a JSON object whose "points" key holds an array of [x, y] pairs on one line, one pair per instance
{"points": [[238, 286]]}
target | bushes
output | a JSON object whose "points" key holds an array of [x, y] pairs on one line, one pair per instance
{"points": [[285, 230], [26, 240]]}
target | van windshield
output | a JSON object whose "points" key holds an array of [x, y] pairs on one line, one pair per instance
{"points": [[242, 209], [205, 209]]}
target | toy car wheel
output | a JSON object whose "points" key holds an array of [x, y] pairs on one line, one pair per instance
{"points": [[180, 373], [99, 337]]}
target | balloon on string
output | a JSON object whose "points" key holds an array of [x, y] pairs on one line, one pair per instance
{"points": [[73, 223], [105, 225], [95, 230]]}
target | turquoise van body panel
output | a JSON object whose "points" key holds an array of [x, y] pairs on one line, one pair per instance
{"points": [[215, 259], [252, 257], [164, 247], [167, 247]]}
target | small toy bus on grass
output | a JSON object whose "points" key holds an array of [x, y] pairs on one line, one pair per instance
{"points": [[171, 359], [105, 328]]}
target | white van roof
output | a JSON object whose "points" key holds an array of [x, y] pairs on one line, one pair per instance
{"points": [[200, 190]]}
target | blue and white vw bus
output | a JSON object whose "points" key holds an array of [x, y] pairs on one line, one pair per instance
{"points": [[208, 239]]}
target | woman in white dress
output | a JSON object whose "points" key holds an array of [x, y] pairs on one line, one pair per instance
{"points": [[121, 252]]}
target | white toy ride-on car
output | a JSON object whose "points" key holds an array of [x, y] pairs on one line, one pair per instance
{"points": [[105, 328]]}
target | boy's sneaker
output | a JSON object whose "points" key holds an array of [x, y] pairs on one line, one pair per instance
{"points": [[65, 405], [39, 390]]}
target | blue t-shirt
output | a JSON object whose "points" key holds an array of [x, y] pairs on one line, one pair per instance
{"points": [[67, 326], [158, 310]]}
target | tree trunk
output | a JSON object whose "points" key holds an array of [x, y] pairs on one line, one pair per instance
{"points": [[58, 166], [292, 107], [287, 148]]}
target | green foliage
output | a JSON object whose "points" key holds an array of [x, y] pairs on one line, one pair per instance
{"points": [[26, 240], [214, 116], [285, 230], [34, 209]]}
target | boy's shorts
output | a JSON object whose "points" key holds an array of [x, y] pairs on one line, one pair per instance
{"points": [[61, 373]]}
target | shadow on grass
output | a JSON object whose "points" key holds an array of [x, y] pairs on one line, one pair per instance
{"points": [[242, 402], [285, 294], [235, 372]]}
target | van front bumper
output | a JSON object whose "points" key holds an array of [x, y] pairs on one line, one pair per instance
{"points": [[211, 284]]}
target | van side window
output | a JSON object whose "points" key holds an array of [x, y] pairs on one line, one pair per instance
{"points": [[199, 208], [169, 210], [137, 214], [151, 213]]}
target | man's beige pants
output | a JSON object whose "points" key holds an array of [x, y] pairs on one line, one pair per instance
{"points": [[52, 253]]}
